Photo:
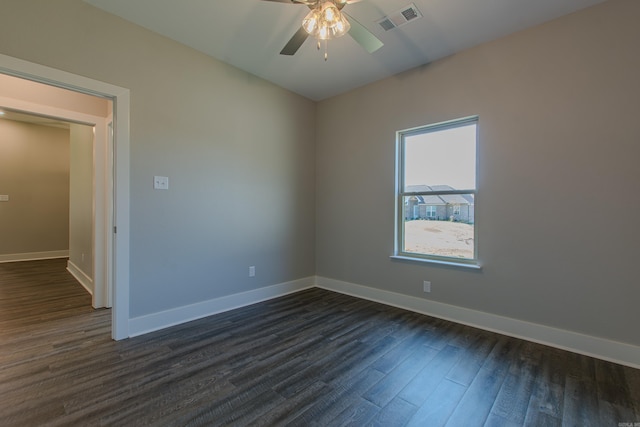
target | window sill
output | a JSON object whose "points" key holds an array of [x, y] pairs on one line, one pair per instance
{"points": [[438, 262]]}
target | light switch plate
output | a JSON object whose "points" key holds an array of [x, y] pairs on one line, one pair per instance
{"points": [[161, 182], [4, 197]]}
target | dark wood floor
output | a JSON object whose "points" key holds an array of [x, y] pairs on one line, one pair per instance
{"points": [[312, 358]]}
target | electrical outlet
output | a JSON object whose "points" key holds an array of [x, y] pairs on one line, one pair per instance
{"points": [[426, 286], [252, 271]]}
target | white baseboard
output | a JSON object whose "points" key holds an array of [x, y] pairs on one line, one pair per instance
{"points": [[81, 277], [164, 319], [600, 348], [33, 256]]}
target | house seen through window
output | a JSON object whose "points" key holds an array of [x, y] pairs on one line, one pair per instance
{"points": [[435, 212]]}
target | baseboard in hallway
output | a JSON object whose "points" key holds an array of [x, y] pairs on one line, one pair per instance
{"points": [[34, 256]]}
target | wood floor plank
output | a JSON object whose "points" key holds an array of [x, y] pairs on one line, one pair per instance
{"points": [[512, 402], [427, 381], [632, 378], [359, 413], [494, 420], [547, 399], [611, 384], [313, 358], [296, 381], [476, 404], [395, 413], [391, 384], [345, 394], [446, 333], [614, 396], [474, 357], [438, 407], [294, 406], [580, 402], [412, 341], [344, 369]]}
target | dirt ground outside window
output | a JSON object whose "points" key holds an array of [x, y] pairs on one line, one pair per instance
{"points": [[442, 238]]}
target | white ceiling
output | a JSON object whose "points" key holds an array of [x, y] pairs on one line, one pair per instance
{"points": [[249, 34]]}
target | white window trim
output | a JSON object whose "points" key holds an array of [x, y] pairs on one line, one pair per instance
{"points": [[399, 254]]}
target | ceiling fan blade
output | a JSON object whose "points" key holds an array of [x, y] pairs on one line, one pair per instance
{"points": [[362, 36], [295, 42]]}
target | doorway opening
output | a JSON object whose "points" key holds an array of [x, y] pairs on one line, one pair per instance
{"points": [[111, 172]]}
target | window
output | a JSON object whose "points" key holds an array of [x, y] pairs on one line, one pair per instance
{"points": [[436, 194]]}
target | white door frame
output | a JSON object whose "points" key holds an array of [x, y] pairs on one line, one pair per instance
{"points": [[116, 197]]}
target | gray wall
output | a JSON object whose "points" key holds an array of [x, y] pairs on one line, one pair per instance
{"points": [[81, 199], [223, 137], [34, 173], [559, 134]]}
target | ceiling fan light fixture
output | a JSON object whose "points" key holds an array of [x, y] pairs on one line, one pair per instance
{"points": [[326, 22], [342, 27], [330, 13], [310, 22]]}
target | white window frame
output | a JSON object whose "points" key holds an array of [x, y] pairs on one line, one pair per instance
{"points": [[399, 253]]}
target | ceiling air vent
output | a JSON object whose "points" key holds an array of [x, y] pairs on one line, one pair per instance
{"points": [[400, 17]]}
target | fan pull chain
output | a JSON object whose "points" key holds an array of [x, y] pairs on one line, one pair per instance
{"points": [[326, 48]]}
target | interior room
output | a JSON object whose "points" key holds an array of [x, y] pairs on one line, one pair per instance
{"points": [[250, 215]]}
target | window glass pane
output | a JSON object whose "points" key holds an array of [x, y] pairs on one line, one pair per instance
{"points": [[441, 160], [439, 225]]}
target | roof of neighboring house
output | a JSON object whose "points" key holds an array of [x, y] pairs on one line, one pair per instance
{"points": [[431, 200], [418, 188], [456, 199], [444, 199]]}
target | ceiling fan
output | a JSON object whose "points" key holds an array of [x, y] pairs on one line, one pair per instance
{"points": [[325, 21]]}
